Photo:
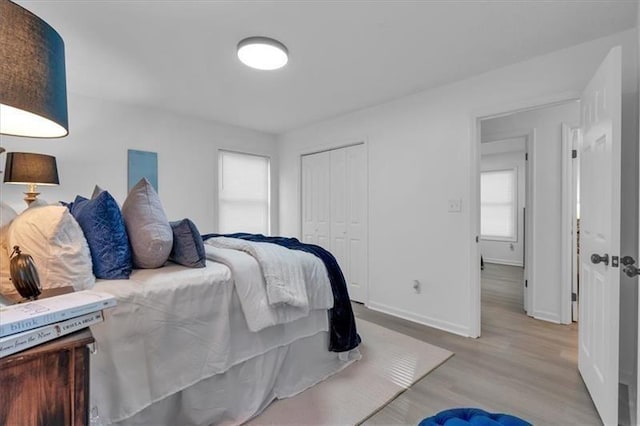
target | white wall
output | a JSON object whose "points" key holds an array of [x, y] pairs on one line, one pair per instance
{"points": [[506, 252], [545, 158], [419, 158], [95, 152]]}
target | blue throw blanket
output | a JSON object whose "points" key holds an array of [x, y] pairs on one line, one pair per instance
{"points": [[342, 324]]}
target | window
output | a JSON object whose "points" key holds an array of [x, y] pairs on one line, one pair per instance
{"points": [[243, 193], [498, 202]]}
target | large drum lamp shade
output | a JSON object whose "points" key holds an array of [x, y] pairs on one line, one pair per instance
{"points": [[33, 89]]}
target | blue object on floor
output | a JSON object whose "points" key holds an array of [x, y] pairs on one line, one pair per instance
{"points": [[472, 416]]}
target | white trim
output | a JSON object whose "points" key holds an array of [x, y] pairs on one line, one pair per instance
{"points": [[451, 327], [546, 316], [566, 229], [502, 262], [475, 302], [530, 203]]}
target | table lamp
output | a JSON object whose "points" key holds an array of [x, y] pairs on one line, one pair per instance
{"points": [[33, 89], [31, 169]]}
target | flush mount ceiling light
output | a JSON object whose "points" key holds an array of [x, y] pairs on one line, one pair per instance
{"points": [[263, 53]]}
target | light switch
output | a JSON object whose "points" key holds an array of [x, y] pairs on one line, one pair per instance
{"points": [[455, 205]]}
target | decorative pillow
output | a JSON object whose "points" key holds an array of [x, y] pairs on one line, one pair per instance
{"points": [[96, 191], [188, 247], [58, 247], [147, 225], [103, 226], [7, 214]]}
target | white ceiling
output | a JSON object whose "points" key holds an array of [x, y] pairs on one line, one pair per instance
{"points": [[344, 55]]}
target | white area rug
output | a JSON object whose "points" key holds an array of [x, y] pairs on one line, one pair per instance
{"points": [[391, 362]]}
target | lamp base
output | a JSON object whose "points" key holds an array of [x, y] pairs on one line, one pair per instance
{"points": [[30, 197]]}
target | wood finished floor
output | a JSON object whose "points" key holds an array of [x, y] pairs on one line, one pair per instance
{"points": [[520, 365]]}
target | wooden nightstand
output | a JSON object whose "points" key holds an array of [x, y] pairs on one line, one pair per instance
{"points": [[47, 384]]}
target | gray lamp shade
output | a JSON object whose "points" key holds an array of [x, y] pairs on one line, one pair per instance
{"points": [[33, 88], [29, 168]]}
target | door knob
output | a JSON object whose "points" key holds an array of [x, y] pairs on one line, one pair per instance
{"points": [[628, 260], [631, 271], [596, 258]]}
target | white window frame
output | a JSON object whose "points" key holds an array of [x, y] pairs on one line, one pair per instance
{"points": [[513, 238], [220, 171]]}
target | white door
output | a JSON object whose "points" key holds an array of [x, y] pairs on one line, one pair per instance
{"points": [[356, 232], [316, 201], [638, 341], [600, 236], [339, 209], [334, 210], [348, 217]]}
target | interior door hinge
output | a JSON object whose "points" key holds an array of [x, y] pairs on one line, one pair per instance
{"points": [[574, 297], [477, 239], [574, 153], [526, 283], [526, 156]]}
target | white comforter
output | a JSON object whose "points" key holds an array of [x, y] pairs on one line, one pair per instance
{"points": [[283, 273], [259, 267]]}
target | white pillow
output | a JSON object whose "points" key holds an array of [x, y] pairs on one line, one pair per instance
{"points": [[58, 247], [7, 214]]}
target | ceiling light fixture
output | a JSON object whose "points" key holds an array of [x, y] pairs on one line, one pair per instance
{"points": [[263, 53]]}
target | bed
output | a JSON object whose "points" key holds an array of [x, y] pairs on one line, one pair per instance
{"points": [[200, 346], [202, 333]]}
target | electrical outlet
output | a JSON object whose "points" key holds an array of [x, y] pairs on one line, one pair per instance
{"points": [[455, 205]]}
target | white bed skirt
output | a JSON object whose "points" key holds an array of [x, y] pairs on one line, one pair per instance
{"points": [[246, 389]]}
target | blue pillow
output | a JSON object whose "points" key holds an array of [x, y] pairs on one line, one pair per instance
{"points": [[188, 247], [101, 221]]}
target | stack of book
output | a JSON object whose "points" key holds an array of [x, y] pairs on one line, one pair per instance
{"points": [[29, 324]]}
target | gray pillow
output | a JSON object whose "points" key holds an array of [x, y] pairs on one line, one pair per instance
{"points": [[96, 191], [149, 231]]}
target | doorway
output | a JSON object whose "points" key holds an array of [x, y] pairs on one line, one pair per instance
{"points": [[523, 148], [502, 218]]}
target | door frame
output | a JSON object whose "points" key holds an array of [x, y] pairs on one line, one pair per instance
{"points": [[475, 302], [568, 224]]}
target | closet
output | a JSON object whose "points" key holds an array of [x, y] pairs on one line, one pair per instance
{"points": [[334, 210]]}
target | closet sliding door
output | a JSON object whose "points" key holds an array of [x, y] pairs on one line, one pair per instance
{"points": [[316, 207], [341, 187]]}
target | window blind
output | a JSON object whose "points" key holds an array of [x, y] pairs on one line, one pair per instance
{"points": [[498, 199], [243, 193]]}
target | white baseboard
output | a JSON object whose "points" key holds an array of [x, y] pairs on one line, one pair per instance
{"points": [[502, 261], [546, 316], [420, 319]]}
